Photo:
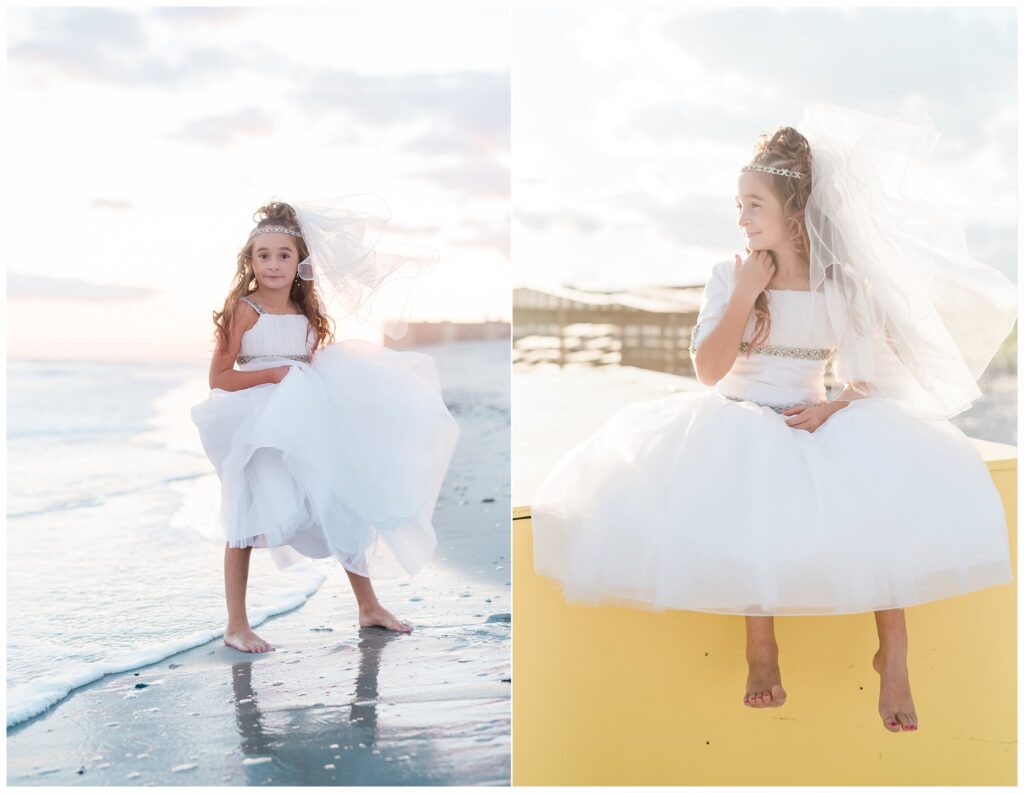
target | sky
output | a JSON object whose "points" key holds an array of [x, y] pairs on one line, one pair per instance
{"points": [[139, 144], [630, 125]]}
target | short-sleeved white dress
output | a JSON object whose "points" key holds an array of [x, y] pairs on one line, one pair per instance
{"points": [[709, 501], [344, 457]]}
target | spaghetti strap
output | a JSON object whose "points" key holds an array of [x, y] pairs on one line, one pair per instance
{"points": [[254, 304]]}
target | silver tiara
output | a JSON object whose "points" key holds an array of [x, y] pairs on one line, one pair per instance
{"points": [[772, 169], [268, 229]]}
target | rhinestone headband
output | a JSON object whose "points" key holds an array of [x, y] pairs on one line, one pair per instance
{"points": [[772, 169], [269, 229]]}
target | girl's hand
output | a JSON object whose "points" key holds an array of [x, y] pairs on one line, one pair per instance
{"points": [[276, 373], [754, 273], [810, 417]]}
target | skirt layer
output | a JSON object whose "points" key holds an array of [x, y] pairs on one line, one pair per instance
{"points": [[701, 503], [344, 457]]}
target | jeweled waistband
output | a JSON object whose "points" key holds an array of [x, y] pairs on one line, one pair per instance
{"points": [[247, 358], [806, 353], [776, 408]]}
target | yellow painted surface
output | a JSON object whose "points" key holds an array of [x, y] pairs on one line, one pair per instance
{"points": [[606, 695]]}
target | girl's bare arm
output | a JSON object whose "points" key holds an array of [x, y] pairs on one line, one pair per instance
{"points": [[717, 352]]}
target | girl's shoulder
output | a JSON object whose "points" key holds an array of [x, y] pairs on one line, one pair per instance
{"points": [[248, 301], [724, 270]]}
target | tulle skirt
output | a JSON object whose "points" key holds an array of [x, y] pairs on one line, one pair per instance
{"points": [[344, 457], [701, 503]]}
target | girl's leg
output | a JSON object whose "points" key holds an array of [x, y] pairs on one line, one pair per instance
{"points": [[894, 701], [238, 634], [371, 612], [764, 680]]}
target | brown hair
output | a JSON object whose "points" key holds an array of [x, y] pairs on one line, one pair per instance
{"points": [[303, 293], [785, 148]]}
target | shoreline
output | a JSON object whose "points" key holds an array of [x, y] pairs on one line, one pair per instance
{"points": [[48, 692]]}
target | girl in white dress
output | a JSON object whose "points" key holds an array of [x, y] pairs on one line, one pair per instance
{"points": [[765, 497], [324, 449]]}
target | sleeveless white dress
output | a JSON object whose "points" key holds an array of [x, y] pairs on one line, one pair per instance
{"points": [[709, 501], [344, 457]]}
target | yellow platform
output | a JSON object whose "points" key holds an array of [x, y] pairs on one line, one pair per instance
{"points": [[604, 695]]}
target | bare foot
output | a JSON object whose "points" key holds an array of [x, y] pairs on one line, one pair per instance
{"points": [[379, 617], [246, 640], [895, 704], [764, 682]]}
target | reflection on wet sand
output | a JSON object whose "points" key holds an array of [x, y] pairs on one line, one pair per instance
{"points": [[347, 736]]}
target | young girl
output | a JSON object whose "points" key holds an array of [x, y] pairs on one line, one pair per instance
{"points": [[321, 448], [764, 496]]}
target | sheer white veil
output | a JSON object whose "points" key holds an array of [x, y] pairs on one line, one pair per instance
{"points": [[918, 319], [354, 276]]}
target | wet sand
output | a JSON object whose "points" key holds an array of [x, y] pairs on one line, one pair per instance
{"points": [[333, 704]]}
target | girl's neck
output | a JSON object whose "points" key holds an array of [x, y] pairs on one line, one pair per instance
{"points": [[790, 268], [276, 300]]}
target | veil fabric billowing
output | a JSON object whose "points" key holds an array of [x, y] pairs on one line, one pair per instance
{"points": [[917, 318], [354, 277]]}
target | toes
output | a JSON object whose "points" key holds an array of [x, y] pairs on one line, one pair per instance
{"points": [[891, 723], [908, 721]]}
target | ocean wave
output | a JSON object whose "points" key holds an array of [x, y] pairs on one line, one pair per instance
{"points": [[102, 498], [36, 696]]}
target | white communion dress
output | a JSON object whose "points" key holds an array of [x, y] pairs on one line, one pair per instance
{"points": [[709, 501], [344, 457]]}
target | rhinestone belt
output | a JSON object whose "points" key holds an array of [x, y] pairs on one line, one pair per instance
{"points": [[247, 358], [807, 353], [776, 408]]}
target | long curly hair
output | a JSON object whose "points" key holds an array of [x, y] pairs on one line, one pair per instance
{"points": [[784, 148], [303, 293]]}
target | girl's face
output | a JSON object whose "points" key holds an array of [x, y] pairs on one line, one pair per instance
{"points": [[275, 260], [760, 215]]}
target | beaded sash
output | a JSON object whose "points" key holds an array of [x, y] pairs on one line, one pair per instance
{"points": [[247, 358], [807, 353], [776, 408]]}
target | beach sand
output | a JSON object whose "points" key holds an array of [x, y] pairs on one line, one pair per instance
{"points": [[333, 704]]}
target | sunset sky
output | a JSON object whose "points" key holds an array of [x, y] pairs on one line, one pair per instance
{"points": [[140, 142], [630, 125]]}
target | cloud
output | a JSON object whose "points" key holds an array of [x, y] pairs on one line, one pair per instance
{"points": [[471, 108], [875, 59], [689, 219], [44, 287], [112, 46], [494, 235], [410, 230], [583, 222], [191, 16], [225, 129], [118, 204], [472, 176]]}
